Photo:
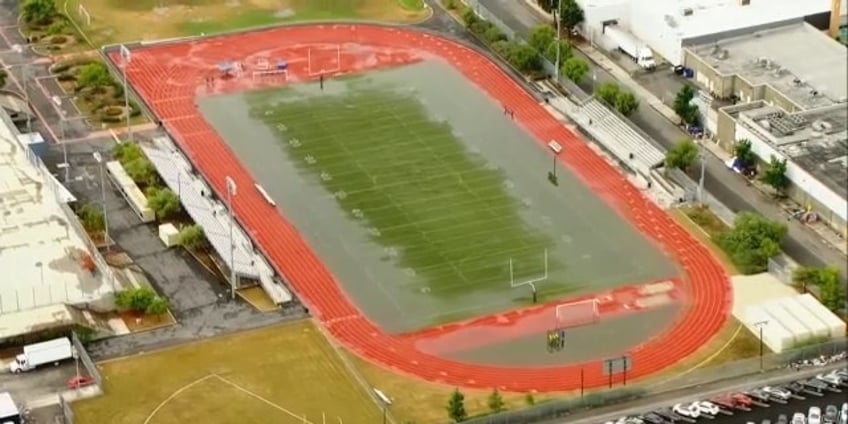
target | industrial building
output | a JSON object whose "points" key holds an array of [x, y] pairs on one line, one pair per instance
{"points": [[788, 86], [43, 248], [769, 73], [668, 26]]}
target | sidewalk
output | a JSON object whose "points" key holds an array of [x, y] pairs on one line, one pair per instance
{"points": [[821, 230]]}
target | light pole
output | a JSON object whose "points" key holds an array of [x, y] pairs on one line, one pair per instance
{"points": [[558, 39], [760, 325], [125, 56], [701, 179], [19, 49], [231, 191], [99, 160], [40, 266]]}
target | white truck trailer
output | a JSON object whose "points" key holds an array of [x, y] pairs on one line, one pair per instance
{"points": [[631, 46], [9, 413], [37, 354]]}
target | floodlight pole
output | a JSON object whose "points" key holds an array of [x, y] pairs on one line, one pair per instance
{"points": [[760, 325], [231, 191], [558, 39], [701, 179], [99, 158], [125, 55]]}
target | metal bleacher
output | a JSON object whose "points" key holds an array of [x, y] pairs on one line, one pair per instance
{"points": [[213, 216], [619, 138]]}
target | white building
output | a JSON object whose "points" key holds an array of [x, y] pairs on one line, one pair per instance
{"points": [[668, 25], [42, 245]]}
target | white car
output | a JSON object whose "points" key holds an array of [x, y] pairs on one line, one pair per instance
{"points": [[843, 415], [707, 408], [777, 392], [814, 415], [689, 410], [799, 418], [832, 378]]}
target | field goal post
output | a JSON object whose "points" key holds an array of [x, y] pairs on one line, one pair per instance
{"points": [[83, 14], [316, 66], [530, 282]]}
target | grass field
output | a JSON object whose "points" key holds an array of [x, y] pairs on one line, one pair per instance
{"points": [[114, 21], [434, 207], [279, 374]]}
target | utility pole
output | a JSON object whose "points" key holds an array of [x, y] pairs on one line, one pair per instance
{"points": [[231, 191], [558, 39]]}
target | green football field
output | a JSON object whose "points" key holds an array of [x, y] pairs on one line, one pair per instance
{"points": [[435, 208], [424, 200]]}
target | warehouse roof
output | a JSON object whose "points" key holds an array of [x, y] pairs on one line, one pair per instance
{"points": [[796, 60], [817, 140], [687, 19]]}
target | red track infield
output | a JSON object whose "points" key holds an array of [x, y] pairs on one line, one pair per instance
{"points": [[169, 76]]}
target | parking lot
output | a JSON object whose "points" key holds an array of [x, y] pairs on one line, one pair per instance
{"points": [[762, 405], [39, 385]]}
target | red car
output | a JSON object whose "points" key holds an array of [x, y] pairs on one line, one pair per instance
{"points": [[80, 381], [743, 399]]}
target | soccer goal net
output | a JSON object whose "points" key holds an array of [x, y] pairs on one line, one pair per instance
{"points": [[324, 60], [579, 313]]}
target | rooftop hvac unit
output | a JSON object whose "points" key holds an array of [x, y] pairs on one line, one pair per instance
{"points": [[687, 11], [724, 54], [744, 2], [670, 21], [821, 126]]}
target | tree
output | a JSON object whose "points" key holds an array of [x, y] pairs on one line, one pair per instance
{"points": [[683, 106], [137, 300], [92, 218], [38, 11], [608, 92], [126, 151], [496, 402], [469, 17], [625, 102], [682, 156], [564, 51], [522, 56], [191, 237], [456, 406], [141, 171], [529, 399], [752, 241], [163, 201], [744, 154], [157, 306], [575, 69], [570, 14], [541, 37], [775, 175], [3, 76], [93, 75], [828, 280], [547, 5]]}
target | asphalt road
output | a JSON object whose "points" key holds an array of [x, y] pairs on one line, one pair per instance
{"points": [[802, 244]]}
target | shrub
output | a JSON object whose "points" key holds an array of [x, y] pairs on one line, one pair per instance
{"points": [[682, 155], [93, 75], [191, 237], [92, 218], [126, 152], [163, 201], [137, 300]]}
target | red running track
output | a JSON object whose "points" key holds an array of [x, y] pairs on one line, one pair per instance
{"points": [[169, 76]]}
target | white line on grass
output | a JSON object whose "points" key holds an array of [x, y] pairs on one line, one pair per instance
{"points": [[262, 399], [175, 394]]}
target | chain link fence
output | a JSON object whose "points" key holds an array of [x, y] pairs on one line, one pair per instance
{"points": [[67, 413], [85, 358], [556, 409]]}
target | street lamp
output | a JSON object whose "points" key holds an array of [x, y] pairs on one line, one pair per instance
{"points": [[99, 159], [760, 325], [558, 40], [231, 191], [40, 266], [125, 61]]}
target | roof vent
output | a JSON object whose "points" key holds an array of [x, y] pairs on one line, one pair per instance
{"points": [[821, 126], [744, 2], [724, 54], [687, 11]]}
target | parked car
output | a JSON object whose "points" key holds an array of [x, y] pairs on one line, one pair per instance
{"points": [[782, 419], [743, 399], [689, 410], [799, 418], [777, 392], [707, 408], [830, 378], [814, 415], [843, 415], [831, 414]]}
